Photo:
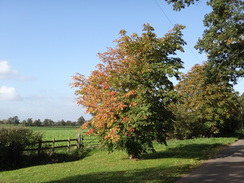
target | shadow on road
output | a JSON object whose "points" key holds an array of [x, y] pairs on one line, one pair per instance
{"points": [[226, 167]]}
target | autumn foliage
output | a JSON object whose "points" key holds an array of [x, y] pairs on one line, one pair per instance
{"points": [[130, 92], [206, 108]]}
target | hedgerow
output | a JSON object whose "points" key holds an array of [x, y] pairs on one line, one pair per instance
{"points": [[13, 140]]}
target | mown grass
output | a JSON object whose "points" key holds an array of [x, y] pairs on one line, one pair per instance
{"points": [[59, 133], [167, 165]]}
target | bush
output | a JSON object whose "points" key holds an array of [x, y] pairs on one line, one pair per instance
{"points": [[13, 140]]}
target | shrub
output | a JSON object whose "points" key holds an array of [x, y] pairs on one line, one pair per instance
{"points": [[13, 140]]}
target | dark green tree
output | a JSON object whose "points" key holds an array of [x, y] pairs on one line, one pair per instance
{"points": [[241, 111], [29, 122], [68, 123], [13, 120], [62, 123], [37, 122], [179, 4], [223, 38], [24, 123], [48, 122], [81, 120]]}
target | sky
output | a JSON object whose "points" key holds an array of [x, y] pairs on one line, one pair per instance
{"points": [[43, 43]]}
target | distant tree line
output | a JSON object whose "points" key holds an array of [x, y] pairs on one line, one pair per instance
{"points": [[46, 122]]}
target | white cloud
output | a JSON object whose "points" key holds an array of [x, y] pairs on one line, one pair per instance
{"points": [[9, 93], [7, 72]]}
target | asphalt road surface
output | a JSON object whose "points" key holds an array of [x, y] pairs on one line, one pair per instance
{"points": [[227, 167]]}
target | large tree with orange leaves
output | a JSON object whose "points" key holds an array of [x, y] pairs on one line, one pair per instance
{"points": [[130, 92]]}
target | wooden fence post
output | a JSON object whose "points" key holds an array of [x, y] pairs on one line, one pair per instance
{"points": [[39, 147], [53, 147], [68, 147], [78, 144], [51, 144]]}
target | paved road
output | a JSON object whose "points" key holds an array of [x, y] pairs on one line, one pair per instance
{"points": [[227, 167]]}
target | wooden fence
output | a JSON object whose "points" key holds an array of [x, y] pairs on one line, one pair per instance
{"points": [[89, 142], [52, 144]]}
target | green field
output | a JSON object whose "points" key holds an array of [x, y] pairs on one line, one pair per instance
{"points": [[59, 133]]}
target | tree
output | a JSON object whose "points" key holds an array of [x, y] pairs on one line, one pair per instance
{"points": [[206, 108], [37, 122], [179, 4], [61, 123], [29, 122], [223, 38], [241, 113], [130, 93], [48, 122], [81, 120], [24, 123], [13, 120]]}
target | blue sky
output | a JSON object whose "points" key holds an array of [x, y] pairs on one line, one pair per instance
{"points": [[43, 43]]}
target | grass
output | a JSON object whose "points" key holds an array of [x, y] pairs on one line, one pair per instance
{"points": [[59, 133], [167, 165]]}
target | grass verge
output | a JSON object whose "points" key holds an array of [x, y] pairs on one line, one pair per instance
{"points": [[167, 165]]}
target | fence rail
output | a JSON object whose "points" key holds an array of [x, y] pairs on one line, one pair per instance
{"points": [[78, 144], [90, 141]]}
